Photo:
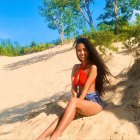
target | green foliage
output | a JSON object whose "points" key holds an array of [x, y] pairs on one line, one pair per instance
{"points": [[36, 48], [135, 4], [61, 17], [118, 13], [105, 27], [131, 39], [137, 22], [131, 36], [71, 17], [33, 43], [130, 31], [83, 8], [9, 49], [104, 38], [56, 42]]}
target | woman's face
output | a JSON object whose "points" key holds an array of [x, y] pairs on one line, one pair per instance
{"points": [[82, 52]]}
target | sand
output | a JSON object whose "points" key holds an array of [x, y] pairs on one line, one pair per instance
{"points": [[35, 89]]}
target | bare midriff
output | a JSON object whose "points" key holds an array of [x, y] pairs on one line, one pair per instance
{"points": [[90, 90]]}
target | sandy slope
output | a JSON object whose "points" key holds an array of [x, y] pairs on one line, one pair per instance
{"points": [[35, 88]]}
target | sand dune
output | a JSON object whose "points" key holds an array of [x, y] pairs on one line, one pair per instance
{"points": [[35, 88]]}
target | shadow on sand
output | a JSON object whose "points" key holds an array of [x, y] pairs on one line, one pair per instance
{"points": [[129, 109], [34, 59], [128, 94], [24, 112]]}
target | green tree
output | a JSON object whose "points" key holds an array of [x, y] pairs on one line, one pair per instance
{"points": [[82, 7], [135, 4], [118, 13], [33, 43], [53, 15], [61, 18]]}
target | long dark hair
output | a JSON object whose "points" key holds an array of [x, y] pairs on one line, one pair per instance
{"points": [[94, 57]]}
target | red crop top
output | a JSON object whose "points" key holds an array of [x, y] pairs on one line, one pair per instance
{"points": [[80, 78]]}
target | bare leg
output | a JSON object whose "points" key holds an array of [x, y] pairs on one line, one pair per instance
{"points": [[68, 116], [75, 105], [50, 129]]}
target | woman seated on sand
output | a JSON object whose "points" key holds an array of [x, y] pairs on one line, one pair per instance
{"points": [[88, 82]]}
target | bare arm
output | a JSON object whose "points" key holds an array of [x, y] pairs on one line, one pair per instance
{"points": [[73, 88], [89, 82]]}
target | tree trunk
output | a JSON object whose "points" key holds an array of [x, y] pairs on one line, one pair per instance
{"points": [[62, 37], [88, 16], [61, 33], [87, 9], [116, 17]]}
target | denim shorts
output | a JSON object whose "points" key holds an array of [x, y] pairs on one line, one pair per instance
{"points": [[95, 97]]}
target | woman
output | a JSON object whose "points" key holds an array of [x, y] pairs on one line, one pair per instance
{"points": [[88, 82]]}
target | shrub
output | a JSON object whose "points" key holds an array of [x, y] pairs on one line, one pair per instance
{"points": [[131, 36], [104, 40], [7, 48]]}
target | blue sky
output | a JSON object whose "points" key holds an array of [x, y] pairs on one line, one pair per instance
{"points": [[20, 21]]}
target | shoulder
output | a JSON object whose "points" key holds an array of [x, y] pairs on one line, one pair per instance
{"points": [[76, 66], [93, 68]]}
